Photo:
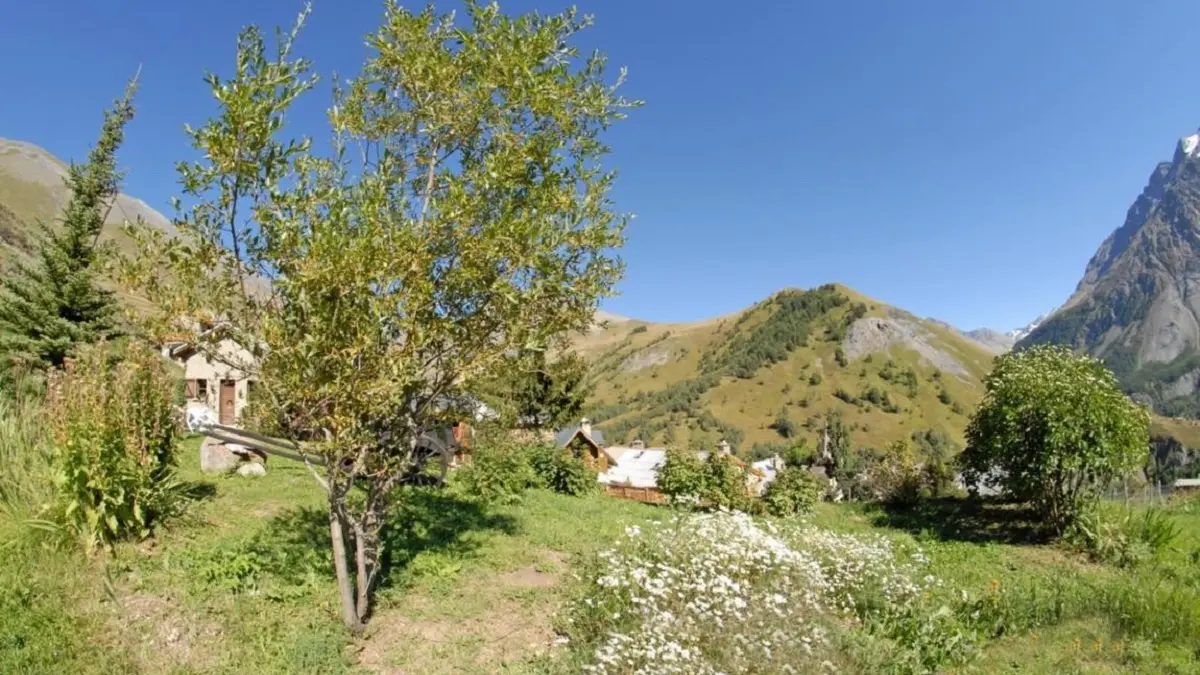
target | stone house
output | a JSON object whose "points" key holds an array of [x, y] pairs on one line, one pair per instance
{"points": [[217, 383]]}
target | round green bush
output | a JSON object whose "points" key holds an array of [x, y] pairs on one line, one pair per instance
{"points": [[794, 491]]}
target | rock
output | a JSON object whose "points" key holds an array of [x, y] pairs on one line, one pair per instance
{"points": [[872, 334], [252, 469], [216, 458]]}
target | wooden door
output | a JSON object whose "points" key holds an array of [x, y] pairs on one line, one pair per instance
{"points": [[228, 396]]}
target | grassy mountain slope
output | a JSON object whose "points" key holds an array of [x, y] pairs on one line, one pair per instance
{"points": [[32, 190], [692, 384]]}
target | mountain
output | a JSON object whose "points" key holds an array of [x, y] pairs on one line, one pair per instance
{"points": [[1017, 334], [1138, 304], [993, 341], [789, 359], [32, 189]]}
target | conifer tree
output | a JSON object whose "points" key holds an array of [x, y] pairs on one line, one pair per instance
{"points": [[54, 303]]}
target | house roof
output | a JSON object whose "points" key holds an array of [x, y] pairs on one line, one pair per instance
{"points": [[636, 468], [564, 436], [769, 467]]}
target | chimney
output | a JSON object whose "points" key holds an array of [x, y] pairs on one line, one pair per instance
{"points": [[638, 445], [586, 427], [723, 447]]}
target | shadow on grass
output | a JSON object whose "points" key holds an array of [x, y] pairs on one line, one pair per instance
{"points": [[964, 519], [296, 543], [195, 490]]}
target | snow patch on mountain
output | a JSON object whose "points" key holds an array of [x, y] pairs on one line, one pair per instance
{"points": [[1017, 334], [1190, 144]]}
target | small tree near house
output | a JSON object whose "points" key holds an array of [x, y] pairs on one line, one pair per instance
{"points": [[463, 217]]}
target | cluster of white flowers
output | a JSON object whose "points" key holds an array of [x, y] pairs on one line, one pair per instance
{"points": [[724, 593]]}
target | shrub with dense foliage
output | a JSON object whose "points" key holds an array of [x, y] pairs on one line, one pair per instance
{"points": [[502, 469], [499, 471], [562, 472], [716, 481], [115, 429], [795, 490], [1053, 429]]}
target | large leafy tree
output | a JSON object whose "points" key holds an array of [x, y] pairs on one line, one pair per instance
{"points": [[53, 304], [1053, 429], [462, 216], [537, 392]]}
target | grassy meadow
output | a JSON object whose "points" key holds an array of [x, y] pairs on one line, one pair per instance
{"points": [[242, 584]]}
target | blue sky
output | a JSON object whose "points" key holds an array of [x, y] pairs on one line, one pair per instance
{"points": [[962, 160]]}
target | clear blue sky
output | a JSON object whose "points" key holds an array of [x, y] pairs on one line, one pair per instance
{"points": [[962, 160]]}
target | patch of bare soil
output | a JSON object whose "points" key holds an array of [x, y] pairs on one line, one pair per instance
{"points": [[646, 358], [161, 636], [504, 632]]}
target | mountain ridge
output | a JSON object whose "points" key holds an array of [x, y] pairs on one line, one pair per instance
{"points": [[1137, 305]]}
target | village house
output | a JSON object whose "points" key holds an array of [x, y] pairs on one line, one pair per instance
{"points": [[631, 471], [585, 443], [218, 384]]}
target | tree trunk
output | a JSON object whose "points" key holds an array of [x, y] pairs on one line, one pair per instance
{"points": [[364, 579], [350, 615]]}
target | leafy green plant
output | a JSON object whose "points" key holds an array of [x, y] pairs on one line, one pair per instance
{"points": [[794, 491], [1053, 429], [1122, 537], [499, 472], [560, 471], [682, 476], [114, 431]]}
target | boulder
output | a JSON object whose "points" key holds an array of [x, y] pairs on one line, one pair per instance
{"points": [[215, 457], [252, 469]]}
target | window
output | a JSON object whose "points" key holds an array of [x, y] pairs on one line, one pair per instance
{"points": [[201, 390]]}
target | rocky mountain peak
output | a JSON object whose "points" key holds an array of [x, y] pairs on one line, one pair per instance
{"points": [[1138, 303]]}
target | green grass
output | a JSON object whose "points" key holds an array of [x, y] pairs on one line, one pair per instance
{"points": [[243, 584]]}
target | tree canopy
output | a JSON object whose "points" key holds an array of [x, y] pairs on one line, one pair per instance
{"points": [[536, 392], [1053, 428], [462, 216]]}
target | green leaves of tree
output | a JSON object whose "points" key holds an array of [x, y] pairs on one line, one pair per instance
{"points": [[1053, 428]]}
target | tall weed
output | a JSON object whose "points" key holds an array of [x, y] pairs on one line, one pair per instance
{"points": [[1123, 536], [26, 485], [114, 430]]}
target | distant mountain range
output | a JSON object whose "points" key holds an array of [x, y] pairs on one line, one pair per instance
{"points": [[1138, 304]]}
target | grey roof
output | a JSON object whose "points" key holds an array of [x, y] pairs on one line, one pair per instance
{"points": [[636, 468], [564, 436]]}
